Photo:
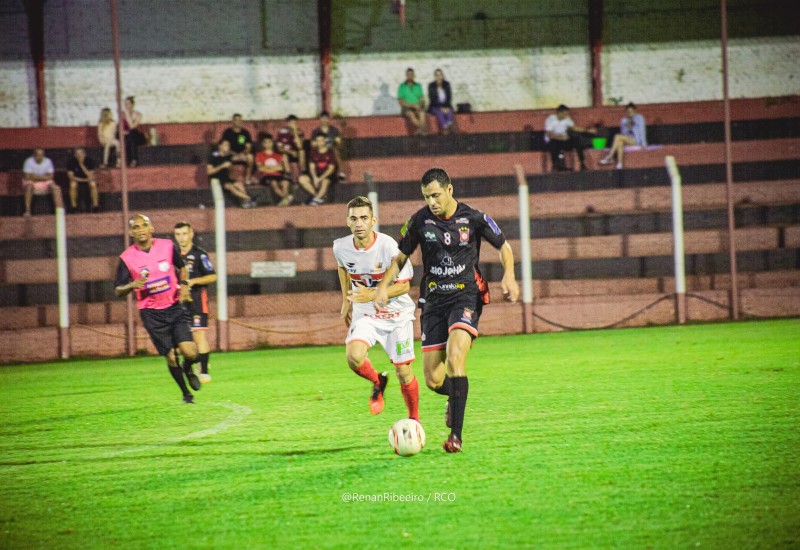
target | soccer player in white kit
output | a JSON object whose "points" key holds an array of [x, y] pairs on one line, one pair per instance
{"points": [[363, 258]]}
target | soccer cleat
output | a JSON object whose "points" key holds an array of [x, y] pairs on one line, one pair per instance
{"points": [[191, 377], [376, 399], [452, 445], [204, 378], [448, 420], [605, 161], [188, 399]]}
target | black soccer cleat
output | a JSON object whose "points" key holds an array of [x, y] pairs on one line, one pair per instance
{"points": [[191, 377], [188, 399], [376, 399]]}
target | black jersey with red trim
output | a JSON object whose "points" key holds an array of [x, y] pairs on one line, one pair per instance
{"points": [[451, 249], [198, 264]]}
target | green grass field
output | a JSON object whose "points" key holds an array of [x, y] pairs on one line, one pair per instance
{"points": [[669, 437]]}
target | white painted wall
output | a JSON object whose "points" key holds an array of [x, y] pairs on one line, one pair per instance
{"points": [[267, 87]]}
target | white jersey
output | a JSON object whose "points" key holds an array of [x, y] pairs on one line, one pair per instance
{"points": [[366, 267]]}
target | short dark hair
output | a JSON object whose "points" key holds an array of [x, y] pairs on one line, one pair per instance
{"points": [[324, 113], [360, 201], [561, 108], [181, 225], [131, 98], [265, 135], [630, 105], [436, 174], [291, 117], [237, 114]]}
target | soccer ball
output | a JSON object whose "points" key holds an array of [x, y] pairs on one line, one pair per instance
{"points": [[407, 437]]}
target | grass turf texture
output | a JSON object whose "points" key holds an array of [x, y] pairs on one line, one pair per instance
{"points": [[665, 437]]}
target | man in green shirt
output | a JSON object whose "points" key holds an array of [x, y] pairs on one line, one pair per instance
{"points": [[412, 102]]}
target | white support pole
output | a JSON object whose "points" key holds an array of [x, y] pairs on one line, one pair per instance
{"points": [[63, 284], [525, 248], [677, 237], [372, 195], [222, 265]]}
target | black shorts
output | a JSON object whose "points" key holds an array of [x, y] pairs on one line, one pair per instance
{"points": [[198, 308], [167, 327], [266, 180], [446, 312]]}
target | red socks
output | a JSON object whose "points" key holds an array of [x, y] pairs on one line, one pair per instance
{"points": [[367, 371], [410, 393]]}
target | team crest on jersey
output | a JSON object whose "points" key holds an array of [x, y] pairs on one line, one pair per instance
{"points": [[163, 266], [467, 315], [488, 219], [379, 265], [463, 233]]}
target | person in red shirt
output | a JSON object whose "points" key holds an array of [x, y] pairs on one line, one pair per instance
{"points": [[273, 170], [321, 165]]}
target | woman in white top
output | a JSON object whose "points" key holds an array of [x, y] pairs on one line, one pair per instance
{"points": [[107, 135]]}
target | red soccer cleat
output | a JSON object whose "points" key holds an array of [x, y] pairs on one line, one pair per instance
{"points": [[452, 445], [376, 399]]}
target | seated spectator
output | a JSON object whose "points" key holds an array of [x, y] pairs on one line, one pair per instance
{"points": [[334, 138], [632, 131], [218, 168], [241, 146], [412, 102], [321, 165], [561, 134], [107, 135], [273, 170], [38, 173], [80, 170], [290, 143], [441, 106], [132, 135]]}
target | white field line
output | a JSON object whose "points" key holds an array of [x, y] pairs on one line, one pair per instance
{"points": [[238, 413]]}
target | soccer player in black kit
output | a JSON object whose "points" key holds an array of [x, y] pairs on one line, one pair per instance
{"points": [[200, 274], [453, 292]]}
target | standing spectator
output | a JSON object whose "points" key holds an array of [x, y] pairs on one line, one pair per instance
{"points": [[273, 168], [412, 102], [441, 98], [241, 143], [290, 143], [561, 134], [218, 168], [80, 170], [38, 173], [107, 135], [633, 131], [334, 138], [320, 169], [130, 129]]}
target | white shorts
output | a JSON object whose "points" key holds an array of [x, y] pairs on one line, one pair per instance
{"points": [[396, 337]]}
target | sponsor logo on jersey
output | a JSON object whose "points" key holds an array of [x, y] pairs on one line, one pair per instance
{"points": [[163, 266], [430, 235], [462, 220], [207, 263], [422, 337], [491, 223], [447, 271], [157, 286], [448, 287], [447, 261], [433, 222]]}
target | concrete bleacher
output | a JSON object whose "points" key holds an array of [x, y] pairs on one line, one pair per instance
{"points": [[602, 243]]}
